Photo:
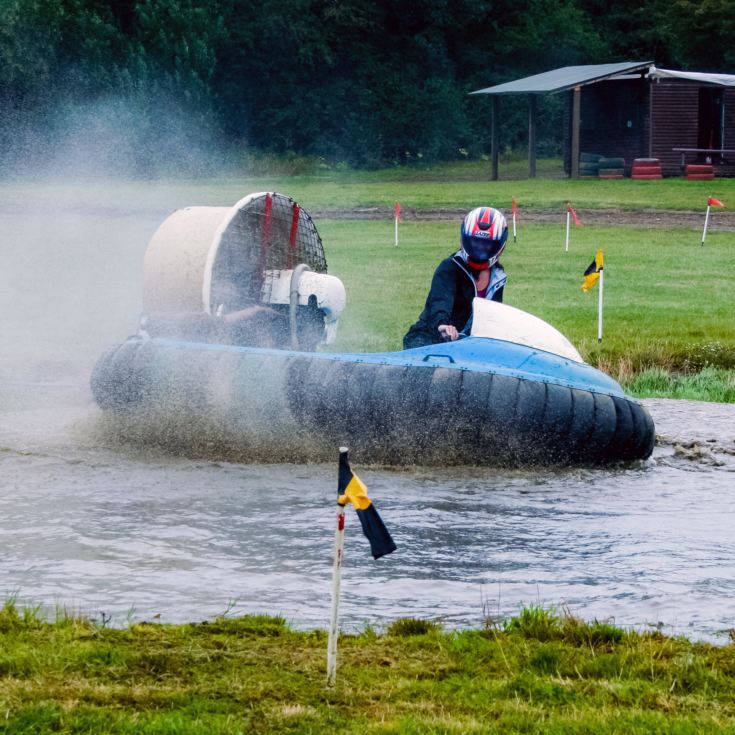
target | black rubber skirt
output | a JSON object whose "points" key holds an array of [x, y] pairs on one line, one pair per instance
{"points": [[291, 407]]}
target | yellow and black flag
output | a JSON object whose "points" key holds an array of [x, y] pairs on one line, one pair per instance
{"points": [[351, 489], [592, 274]]}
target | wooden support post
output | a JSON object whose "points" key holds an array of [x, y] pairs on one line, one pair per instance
{"points": [[531, 136], [576, 99], [495, 136]]}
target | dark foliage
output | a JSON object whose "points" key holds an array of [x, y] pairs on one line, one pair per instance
{"points": [[365, 82]]}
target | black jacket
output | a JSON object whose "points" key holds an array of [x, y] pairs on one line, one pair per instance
{"points": [[449, 302]]}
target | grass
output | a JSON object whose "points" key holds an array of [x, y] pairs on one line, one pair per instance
{"points": [[541, 672], [453, 185], [709, 384], [668, 302]]}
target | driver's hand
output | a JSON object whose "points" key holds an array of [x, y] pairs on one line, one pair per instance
{"points": [[448, 332]]}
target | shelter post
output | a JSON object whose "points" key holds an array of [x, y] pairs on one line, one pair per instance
{"points": [[576, 100], [531, 136], [495, 136]]}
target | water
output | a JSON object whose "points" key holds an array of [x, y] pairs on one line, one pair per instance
{"points": [[142, 535], [132, 534]]}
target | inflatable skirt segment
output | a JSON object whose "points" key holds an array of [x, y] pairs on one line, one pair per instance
{"points": [[439, 405]]}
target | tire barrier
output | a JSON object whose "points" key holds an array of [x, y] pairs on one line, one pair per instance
{"points": [[699, 172], [302, 405]]}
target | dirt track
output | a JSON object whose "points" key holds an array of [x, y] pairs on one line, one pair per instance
{"points": [[719, 220]]}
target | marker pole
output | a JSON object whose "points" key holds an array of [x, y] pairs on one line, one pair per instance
{"points": [[339, 539], [566, 244], [339, 543], [706, 221]]}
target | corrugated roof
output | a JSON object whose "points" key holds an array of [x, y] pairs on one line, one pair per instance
{"points": [[568, 77]]}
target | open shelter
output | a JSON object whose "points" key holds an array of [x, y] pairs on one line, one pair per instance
{"points": [[631, 110]]}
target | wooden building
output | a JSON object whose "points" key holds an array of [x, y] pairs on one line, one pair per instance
{"points": [[633, 110]]}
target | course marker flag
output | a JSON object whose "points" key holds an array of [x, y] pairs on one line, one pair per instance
{"points": [[514, 209], [396, 217], [350, 489], [353, 490], [575, 216], [711, 202], [577, 221], [594, 273]]}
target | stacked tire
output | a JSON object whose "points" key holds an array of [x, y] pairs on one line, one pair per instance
{"points": [[646, 169], [699, 172], [611, 168], [589, 165]]}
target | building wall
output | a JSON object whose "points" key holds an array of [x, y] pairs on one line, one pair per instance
{"points": [[728, 169], [613, 120], [674, 121], [642, 119]]}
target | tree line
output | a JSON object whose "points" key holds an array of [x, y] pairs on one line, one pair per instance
{"points": [[367, 82]]}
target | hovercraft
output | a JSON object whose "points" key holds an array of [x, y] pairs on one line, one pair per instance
{"points": [[236, 301]]}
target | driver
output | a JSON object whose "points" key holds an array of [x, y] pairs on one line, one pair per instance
{"points": [[473, 271]]}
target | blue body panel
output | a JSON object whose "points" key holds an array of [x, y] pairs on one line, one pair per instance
{"points": [[476, 354]]}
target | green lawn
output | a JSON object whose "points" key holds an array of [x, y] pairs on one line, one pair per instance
{"points": [[668, 301], [537, 673], [458, 185]]}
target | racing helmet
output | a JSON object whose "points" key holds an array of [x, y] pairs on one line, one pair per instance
{"points": [[484, 232]]}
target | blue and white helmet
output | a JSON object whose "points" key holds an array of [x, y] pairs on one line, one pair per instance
{"points": [[483, 235]]}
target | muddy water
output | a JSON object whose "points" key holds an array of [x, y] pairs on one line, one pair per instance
{"points": [[137, 535], [133, 534]]}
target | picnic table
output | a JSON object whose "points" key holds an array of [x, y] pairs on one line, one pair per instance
{"points": [[684, 152]]}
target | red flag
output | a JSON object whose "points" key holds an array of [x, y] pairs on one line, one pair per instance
{"points": [[397, 210], [575, 217], [712, 202], [514, 206]]}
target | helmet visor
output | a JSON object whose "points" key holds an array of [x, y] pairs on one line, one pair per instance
{"points": [[483, 249]]}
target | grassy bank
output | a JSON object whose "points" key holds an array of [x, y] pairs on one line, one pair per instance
{"points": [[537, 673]]}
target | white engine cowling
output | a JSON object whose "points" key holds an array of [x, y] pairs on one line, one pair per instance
{"points": [[328, 291]]}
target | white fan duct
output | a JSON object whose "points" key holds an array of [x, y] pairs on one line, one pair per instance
{"points": [[219, 260]]}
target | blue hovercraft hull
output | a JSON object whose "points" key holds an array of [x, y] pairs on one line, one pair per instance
{"points": [[474, 401]]}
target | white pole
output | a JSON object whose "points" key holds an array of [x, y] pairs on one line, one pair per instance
{"points": [[339, 539], [514, 226], [566, 244], [706, 220], [339, 543], [599, 306], [396, 220]]}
